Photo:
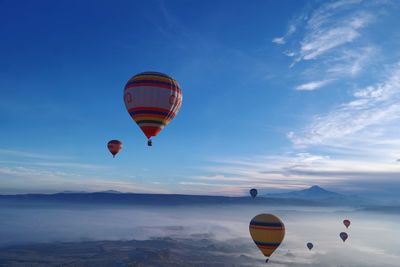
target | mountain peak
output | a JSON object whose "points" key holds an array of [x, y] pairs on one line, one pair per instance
{"points": [[313, 192], [316, 188]]}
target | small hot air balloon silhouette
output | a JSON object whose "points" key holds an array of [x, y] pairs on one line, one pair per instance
{"points": [[267, 232], [343, 236], [310, 245], [152, 99], [114, 146], [346, 223], [253, 192]]}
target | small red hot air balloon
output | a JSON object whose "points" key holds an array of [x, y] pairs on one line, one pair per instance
{"points": [[114, 146], [346, 223], [343, 236]]}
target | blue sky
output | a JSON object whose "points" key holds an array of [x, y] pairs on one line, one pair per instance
{"points": [[278, 95]]}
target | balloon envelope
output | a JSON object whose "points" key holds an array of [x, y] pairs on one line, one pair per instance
{"points": [[253, 192], [310, 246], [267, 232], [346, 223], [152, 99], [114, 146], [343, 236]]}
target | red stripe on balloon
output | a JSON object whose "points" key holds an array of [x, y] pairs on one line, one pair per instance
{"points": [[150, 131]]}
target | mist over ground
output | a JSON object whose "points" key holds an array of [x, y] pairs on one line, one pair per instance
{"points": [[209, 235]]}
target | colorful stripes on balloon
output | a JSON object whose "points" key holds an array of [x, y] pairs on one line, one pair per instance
{"points": [[149, 104], [267, 232]]}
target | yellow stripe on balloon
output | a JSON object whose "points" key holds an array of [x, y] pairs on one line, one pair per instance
{"points": [[269, 238]]}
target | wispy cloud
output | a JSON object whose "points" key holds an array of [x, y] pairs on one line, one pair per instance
{"points": [[293, 171], [282, 40], [329, 26], [27, 154], [360, 135], [15, 179], [323, 37], [331, 38], [351, 62], [278, 40], [373, 106], [58, 164], [27, 172], [312, 85], [19, 157]]}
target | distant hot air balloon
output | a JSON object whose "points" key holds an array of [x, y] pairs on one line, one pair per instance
{"points": [[253, 192], [310, 246], [114, 146], [346, 223], [152, 99], [343, 236], [267, 232]]}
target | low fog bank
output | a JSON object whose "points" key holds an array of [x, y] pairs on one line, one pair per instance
{"points": [[215, 235]]}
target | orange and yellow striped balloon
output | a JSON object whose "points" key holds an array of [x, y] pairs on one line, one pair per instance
{"points": [[267, 232]]}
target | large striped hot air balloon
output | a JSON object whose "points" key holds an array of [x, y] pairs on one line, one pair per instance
{"points": [[152, 99], [267, 232]]}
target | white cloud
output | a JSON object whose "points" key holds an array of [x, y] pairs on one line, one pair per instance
{"points": [[351, 62], [279, 40], [332, 39], [290, 53], [26, 158], [27, 172], [282, 40], [15, 179], [374, 106], [329, 26], [26, 154], [321, 40], [291, 171], [324, 14], [359, 139], [312, 85]]}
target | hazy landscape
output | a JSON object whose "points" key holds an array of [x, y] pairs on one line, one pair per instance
{"points": [[93, 233], [208, 133]]}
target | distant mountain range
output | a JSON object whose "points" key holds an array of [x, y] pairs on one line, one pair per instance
{"points": [[85, 192], [314, 192], [314, 196], [321, 195]]}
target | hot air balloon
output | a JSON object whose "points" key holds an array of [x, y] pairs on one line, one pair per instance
{"points": [[253, 192], [346, 223], [267, 232], [343, 236], [310, 245], [114, 146], [152, 99]]}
